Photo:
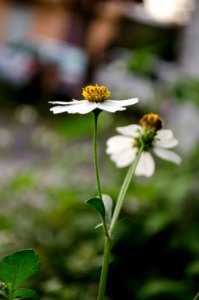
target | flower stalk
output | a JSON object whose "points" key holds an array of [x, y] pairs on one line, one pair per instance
{"points": [[124, 188], [96, 115], [107, 247], [108, 240], [104, 270]]}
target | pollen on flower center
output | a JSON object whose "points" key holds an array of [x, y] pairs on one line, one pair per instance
{"points": [[96, 93], [152, 122]]}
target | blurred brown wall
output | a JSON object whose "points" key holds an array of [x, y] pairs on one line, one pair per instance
{"points": [[49, 20], [4, 8], [46, 19]]}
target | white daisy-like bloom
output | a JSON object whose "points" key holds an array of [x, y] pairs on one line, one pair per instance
{"points": [[124, 147], [95, 97]]}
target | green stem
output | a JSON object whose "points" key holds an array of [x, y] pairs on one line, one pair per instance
{"points": [[108, 240], [96, 114], [196, 297], [123, 189], [104, 271], [107, 247]]}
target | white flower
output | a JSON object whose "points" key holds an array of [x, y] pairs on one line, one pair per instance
{"points": [[95, 97], [123, 148]]}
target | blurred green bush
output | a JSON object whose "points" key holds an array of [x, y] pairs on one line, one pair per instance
{"points": [[156, 246]]}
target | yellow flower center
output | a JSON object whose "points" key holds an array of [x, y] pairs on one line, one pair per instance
{"points": [[96, 93], [152, 122]]}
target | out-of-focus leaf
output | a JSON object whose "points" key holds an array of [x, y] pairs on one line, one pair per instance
{"points": [[15, 268], [193, 268], [26, 293], [157, 287]]}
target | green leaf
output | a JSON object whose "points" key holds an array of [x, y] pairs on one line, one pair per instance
{"points": [[157, 287], [25, 293], [15, 268], [98, 205], [3, 294], [108, 205]]}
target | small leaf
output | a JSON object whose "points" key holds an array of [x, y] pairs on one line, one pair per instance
{"points": [[15, 268], [25, 293], [108, 204], [98, 205]]}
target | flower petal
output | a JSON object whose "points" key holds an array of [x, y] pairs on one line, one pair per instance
{"points": [[59, 109], [146, 165], [124, 102], [130, 130], [170, 143], [82, 108], [167, 155], [85, 106], [109, 106], [118, 143], [64, 103], [124, 158], [164, 134]]}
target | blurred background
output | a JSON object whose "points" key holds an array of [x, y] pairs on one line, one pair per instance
{"points": [[49, 50]]}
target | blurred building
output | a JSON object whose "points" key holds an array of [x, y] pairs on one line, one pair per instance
{"points": [[92, 27], [45, 32], [20, 19]]}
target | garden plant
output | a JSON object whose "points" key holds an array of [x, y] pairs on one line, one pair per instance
{"points": [[133, 147]]}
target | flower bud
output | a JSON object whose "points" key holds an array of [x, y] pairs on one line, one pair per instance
{"points": [[152, 122]]}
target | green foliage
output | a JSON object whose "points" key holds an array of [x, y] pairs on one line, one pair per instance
{"points": [[159, 287], [158, 229], [142, 62], [80, 126], [98, 205], [186, 89], [25, 293], [156, 242], [14, 269]]}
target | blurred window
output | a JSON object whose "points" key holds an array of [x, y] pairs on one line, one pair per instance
{"points": [[178, 11]]}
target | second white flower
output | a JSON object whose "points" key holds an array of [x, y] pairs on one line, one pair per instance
{"points": [[124, 147]]}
